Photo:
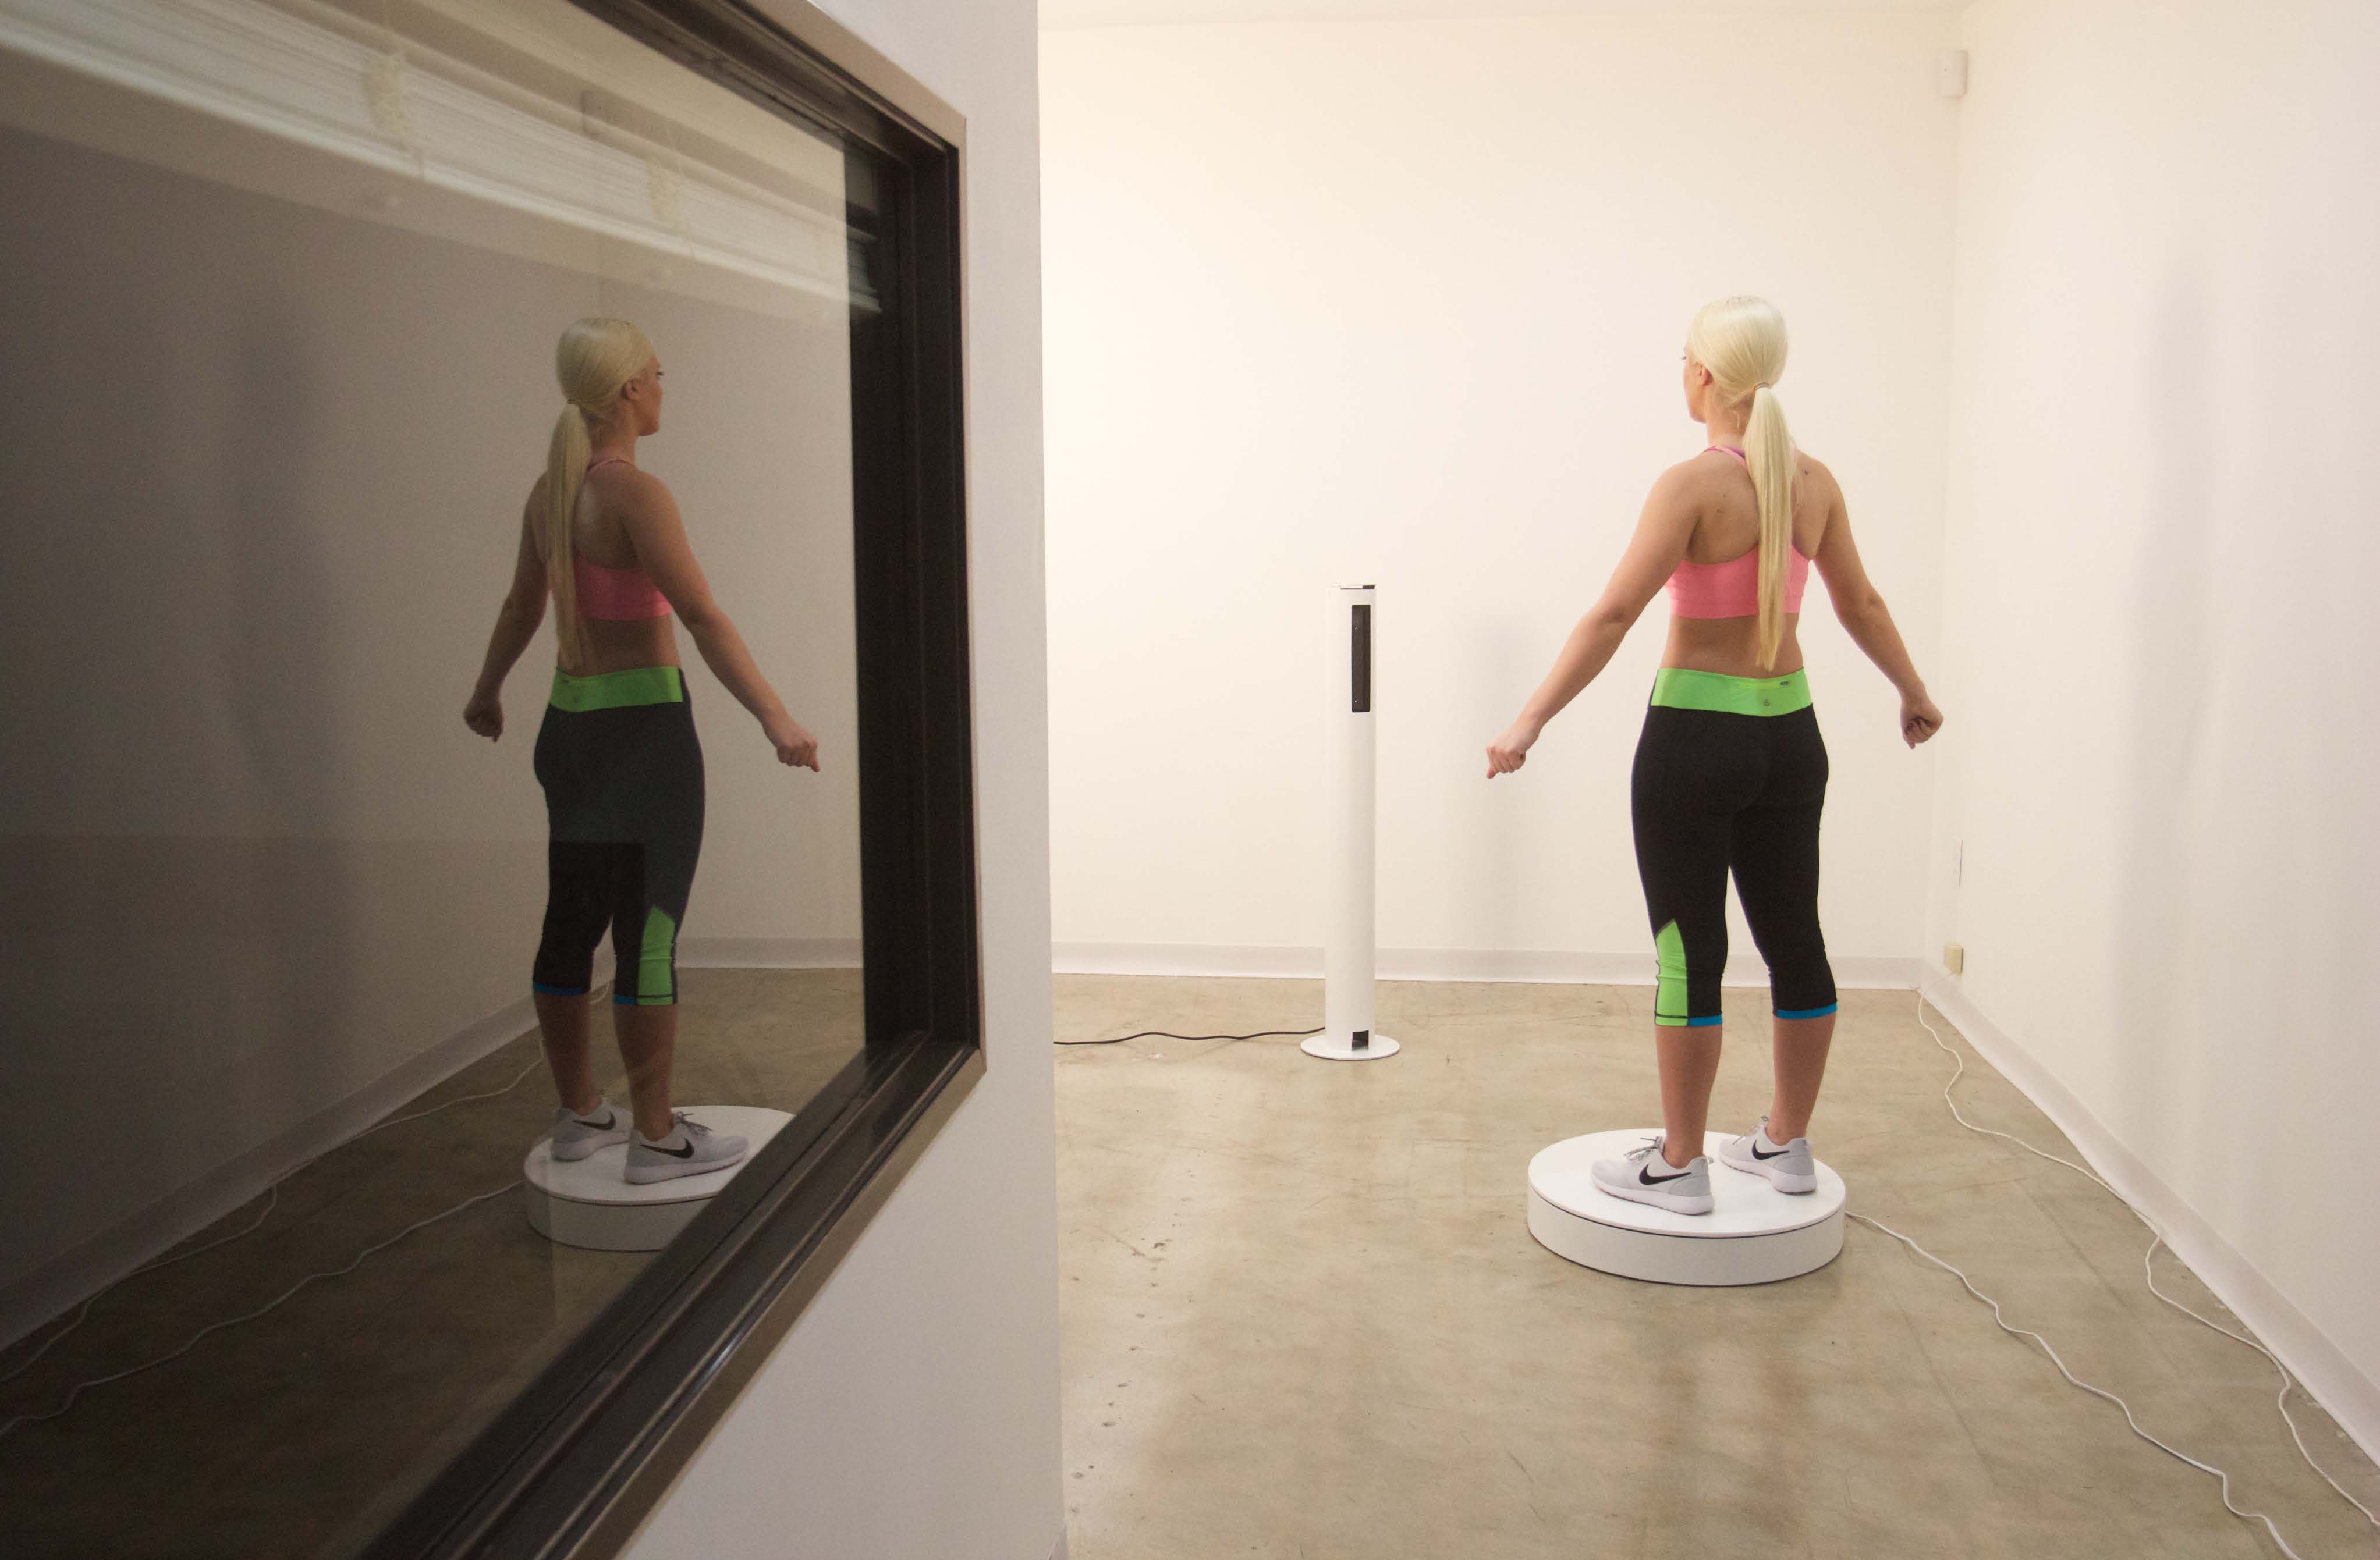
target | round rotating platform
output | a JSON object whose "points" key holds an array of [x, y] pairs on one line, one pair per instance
{"points": [[1754, 1234], [1332, 1048], [587, 1202]]}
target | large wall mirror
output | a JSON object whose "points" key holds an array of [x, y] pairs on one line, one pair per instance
{"points": [[316, 1235]]}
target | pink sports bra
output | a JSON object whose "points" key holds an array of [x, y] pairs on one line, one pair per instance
{"points": [[1732, 589], [618, 594]]}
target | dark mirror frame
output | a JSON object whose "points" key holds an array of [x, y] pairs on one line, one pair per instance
{"points": [[574, 1464]]}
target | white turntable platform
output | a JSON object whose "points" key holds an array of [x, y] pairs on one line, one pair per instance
{"points": [[1754, 1234], [587, 1202]]}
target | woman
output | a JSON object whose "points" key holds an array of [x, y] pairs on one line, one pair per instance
{"points": [[1730, 771], [617, 754]]}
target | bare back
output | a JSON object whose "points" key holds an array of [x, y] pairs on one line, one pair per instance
{"points": [[599, 534], [1727, 526]]}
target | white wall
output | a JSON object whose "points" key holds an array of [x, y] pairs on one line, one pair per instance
{"points": [[1403, 302], [913, 1409], [2161, 559]]}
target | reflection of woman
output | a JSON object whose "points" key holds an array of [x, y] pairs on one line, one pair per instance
{"points": [[1730, 771], [617, 754]]}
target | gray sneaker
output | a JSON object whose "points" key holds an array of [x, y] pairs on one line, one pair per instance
{"points": [[1788, 1166], [691, 1149], [576, 1137], [1644, 1176]]}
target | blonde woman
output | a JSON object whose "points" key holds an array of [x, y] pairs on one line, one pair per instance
{"points": [[616, 753], [1730, 772]]}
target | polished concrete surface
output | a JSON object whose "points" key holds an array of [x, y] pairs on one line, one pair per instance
{"points": [[299, 1434], [1303, 1316]]}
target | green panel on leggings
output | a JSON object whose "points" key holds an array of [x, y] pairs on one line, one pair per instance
{"points": [[1670, 991], [1674, 687], [654, 985], [618, 690]]}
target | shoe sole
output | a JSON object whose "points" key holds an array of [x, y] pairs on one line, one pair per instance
{"points": [[1669, 1201], [645, 1175], [572, 1154], [1783, 1180]]}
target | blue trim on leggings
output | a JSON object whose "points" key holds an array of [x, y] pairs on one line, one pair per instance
{"points": [[1705, 1023], [558, 990], [1807, 1012]]}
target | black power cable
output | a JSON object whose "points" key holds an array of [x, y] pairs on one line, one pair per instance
{"points": [[1168, 1034]]}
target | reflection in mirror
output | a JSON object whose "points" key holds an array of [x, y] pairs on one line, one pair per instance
{"points": [[386, 642]]}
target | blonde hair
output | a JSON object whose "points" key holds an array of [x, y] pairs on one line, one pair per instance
{"points": [[1742, 342], [594, 359]]}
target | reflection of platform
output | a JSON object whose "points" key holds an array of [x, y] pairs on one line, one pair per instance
{"points": [[1756, 1234], [587, 1202]]}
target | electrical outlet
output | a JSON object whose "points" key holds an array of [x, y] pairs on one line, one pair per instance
{"points": [[1954, 958]]}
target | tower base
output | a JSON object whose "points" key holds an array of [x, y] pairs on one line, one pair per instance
{"points": [[1340, 1047]]}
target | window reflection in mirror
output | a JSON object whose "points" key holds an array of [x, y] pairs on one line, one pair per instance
{"points": [[285, 449]]}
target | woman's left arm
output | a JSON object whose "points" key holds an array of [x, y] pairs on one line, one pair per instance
{"points": [[516, 622], [1653, 555]]}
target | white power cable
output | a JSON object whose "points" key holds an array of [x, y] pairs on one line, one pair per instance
{"points": [[272, 1199], [2149, 1271], [9, 1426], [273, 1195], [2094, 1391]]}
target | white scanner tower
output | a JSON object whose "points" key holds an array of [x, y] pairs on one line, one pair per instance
{"points": [[1347, 1033]]}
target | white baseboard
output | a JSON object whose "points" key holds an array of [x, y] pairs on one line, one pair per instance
{"points": [[1525, 966], [2327, 1374], [28, 1302], [768, 953]]}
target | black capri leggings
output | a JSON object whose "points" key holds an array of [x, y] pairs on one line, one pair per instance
{"points": [[1730, 774], [623, 776]]}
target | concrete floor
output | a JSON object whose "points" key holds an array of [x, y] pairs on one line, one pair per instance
{"points": [[1304, 1315], [301, 1433]]}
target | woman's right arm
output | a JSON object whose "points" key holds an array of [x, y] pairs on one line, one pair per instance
{"points": [[658, 533], [1860, 608], [1663, 531], [516, 622]]}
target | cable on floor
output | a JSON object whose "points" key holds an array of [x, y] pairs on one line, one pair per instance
{"points": [[2149, 1272], [9, 1427], [271, 1199], [1167, 1034], [2094, 1391]]}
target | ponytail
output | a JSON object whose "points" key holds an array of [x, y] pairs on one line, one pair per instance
{"points": [[1742, 342], [592, 361], [1768, 453], [566, 473]]}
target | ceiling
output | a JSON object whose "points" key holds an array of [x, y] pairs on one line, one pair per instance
{"points": [[1130, 13]]}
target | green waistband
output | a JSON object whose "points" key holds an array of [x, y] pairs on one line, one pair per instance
{"points": [[615, 689], [1676, 688]]}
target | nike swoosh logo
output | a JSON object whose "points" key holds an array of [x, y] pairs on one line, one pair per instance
{"points": [[685, 1153], [1649, 1179], [1778, 1154], [605, 1125]]}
